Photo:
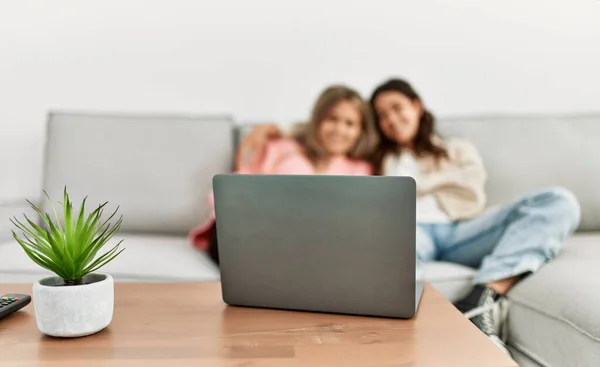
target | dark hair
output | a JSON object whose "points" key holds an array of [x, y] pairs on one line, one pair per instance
{"points": [[423, 144], [307, 136]]}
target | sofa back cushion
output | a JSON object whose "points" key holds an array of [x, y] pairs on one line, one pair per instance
{"points": [[522, 154], [158, 169]]}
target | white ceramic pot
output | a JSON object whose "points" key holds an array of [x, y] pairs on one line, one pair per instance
{"points": [[76, 310]]}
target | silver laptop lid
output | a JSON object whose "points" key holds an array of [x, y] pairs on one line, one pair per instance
{"points": [[341, 244]]}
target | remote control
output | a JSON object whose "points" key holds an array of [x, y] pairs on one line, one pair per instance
{"points": [[12, 302]]}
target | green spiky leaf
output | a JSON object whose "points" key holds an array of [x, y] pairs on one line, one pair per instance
{"points": [[69, 247]]}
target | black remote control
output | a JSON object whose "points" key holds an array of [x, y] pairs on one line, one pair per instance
{"points": [[12, 302]]}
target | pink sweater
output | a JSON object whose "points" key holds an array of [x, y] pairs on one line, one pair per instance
{"points": [[285, 157]]}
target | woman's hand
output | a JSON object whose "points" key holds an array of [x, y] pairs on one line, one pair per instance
{"points": [[253, 145]]}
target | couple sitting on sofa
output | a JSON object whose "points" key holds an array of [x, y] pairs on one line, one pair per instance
{"points": [[394, 134]]}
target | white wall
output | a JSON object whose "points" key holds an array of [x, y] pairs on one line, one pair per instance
{"points": [[267, 59]]}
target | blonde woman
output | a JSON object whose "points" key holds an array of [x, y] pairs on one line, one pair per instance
{"points": [[337, 140]]}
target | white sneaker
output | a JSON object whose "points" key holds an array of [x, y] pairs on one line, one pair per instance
{"points": [[490, 316]]}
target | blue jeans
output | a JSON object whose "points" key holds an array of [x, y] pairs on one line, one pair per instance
{"points": [[505, 241]]}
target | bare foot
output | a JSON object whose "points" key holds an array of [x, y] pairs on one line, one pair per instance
{"points": [[503, 286]]}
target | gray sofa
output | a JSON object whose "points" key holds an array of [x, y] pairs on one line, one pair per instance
{"points": [[159, 170]]}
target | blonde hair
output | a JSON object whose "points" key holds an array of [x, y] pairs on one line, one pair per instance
{"points": [[307, 134]]}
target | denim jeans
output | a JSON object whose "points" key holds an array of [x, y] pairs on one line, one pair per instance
{"points": [[510, 240]]}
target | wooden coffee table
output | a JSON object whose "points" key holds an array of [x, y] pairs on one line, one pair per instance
{"points": [[187, 324]]}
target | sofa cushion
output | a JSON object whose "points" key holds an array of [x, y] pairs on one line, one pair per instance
{"points": [[454, 281], [522, 359], [158, 169], [172, 259], [553, 314], [510, 145], [9, 210], [145, 259]]}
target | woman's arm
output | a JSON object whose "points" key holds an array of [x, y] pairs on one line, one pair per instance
{"points": [[252, 147], [459, 183]]}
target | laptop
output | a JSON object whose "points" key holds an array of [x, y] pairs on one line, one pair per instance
{"points": [[334, 244]]}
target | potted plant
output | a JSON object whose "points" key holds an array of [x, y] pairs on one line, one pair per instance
{"points": [[78, 301]]}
